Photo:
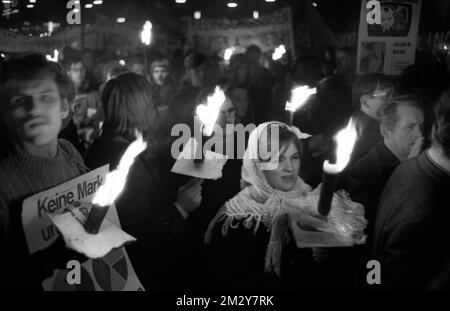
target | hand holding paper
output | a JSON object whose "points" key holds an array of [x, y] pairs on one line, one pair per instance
{"points": [[71, 223], [211, 168]]}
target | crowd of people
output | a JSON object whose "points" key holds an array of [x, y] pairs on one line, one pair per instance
{"points": [[59, 121]]}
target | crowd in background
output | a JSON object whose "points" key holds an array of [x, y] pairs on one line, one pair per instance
{"points": [[61, 120]]}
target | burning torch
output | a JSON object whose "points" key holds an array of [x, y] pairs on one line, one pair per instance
{"points": [[279, 53], [299, 97], [146, 39], [54, 58], [113, 186], [345, 141], [208, 114]]}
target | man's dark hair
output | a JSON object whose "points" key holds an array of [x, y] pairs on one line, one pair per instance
{"points": [[367, 84], [19, 72], [442, 123], [388, 113]]}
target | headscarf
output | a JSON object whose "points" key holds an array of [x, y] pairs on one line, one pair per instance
{"points": [[258, 202]]}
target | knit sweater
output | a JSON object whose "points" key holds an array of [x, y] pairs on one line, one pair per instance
{"points": [[21, 176], [411, 228]]}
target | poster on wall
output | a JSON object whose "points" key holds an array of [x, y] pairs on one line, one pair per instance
{"points": [[389, 47]]}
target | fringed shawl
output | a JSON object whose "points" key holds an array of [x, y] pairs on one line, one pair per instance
{"points": [[258, 202]]}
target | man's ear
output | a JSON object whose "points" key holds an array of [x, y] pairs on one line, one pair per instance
{"points": [[65, 108], [384, 131], [365, 101]]}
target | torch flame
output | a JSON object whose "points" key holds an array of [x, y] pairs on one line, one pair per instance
{"points": [[299, 97], [279, 52], [146, 34], [346, 140], [54, 58], [208, 113], [228, 53], [115, 180]]}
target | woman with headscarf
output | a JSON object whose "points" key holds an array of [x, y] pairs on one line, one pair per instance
{"points": [[256, 223]]}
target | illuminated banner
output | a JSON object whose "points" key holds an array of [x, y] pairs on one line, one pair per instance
{"points": [[216, 35], [389, 47]]}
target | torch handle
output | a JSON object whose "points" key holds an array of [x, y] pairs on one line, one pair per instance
{"points": [[199, 153], [290, 118], [326, 193], [95, 218]]}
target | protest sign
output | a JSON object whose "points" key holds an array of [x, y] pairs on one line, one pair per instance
{"points": [[112, 272], [389, 47]]}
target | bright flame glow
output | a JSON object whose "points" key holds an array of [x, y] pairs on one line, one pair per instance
{"points": [[255, 14], [53, 58], [299, 97], [122, 62], [121, 20], [228, 53], [197, 15], [51, 27], [346, 140], [279, 52], [208, 113], [115, 181], [146, 34], [232, 4], [89, 6]]}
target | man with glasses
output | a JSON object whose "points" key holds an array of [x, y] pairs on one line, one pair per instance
{"points": [[370, 92]]}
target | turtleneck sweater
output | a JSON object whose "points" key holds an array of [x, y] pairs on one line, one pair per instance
{"points": [[23, 175]]}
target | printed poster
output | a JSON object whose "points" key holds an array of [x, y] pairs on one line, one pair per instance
{"points": [[389, 47]]}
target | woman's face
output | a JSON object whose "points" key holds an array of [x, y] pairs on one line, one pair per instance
{"points": [[284, 177]]}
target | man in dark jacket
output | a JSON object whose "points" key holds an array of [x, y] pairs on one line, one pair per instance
{"points": [[370, 92], [401, 121], [411, 228]]}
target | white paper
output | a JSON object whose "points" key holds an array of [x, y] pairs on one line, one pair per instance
{"points": [[210, 168], [94, 246]]}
